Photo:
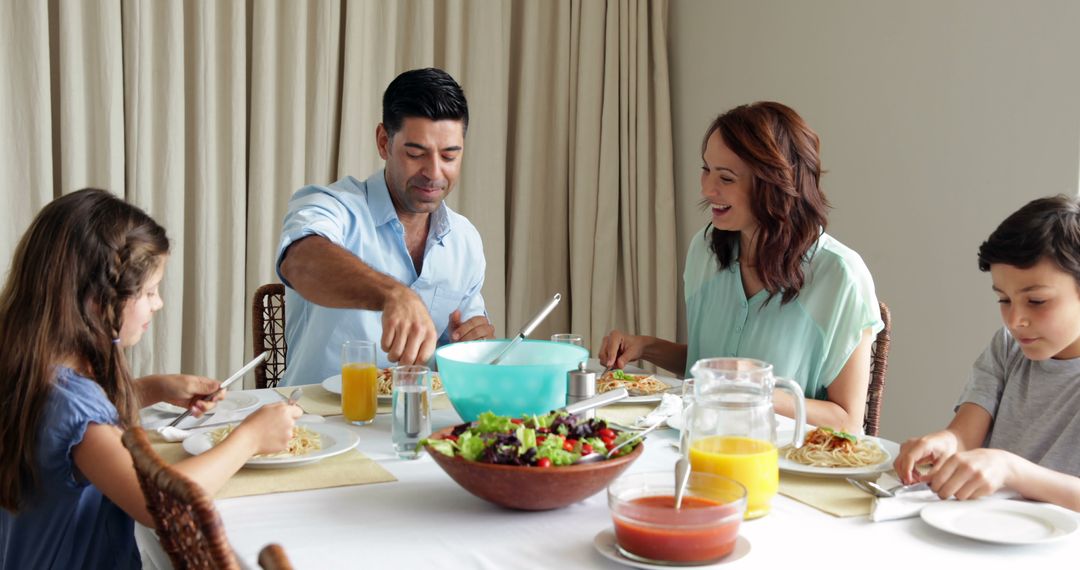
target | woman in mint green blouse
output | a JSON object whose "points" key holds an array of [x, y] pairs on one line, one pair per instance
{"points": [[764, 280]]}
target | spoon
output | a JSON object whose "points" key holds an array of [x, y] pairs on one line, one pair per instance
{"points": [[609, 397], [527, 329], [594, 457], [682, 474]]}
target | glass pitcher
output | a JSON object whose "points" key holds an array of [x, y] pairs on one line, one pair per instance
{"points": [[732, 426]]}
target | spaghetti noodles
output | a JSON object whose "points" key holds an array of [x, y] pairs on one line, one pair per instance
{"points": [[826, 447], [386, 382], [636, 384], [303, 441]]}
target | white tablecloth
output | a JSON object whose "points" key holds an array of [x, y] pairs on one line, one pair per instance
{"points": [[425, 520]]}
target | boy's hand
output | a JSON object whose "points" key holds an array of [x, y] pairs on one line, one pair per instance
{"points": [[972, 474], [931, 448]]}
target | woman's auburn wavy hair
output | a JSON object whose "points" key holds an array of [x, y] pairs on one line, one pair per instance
{"points": [[84, 256], [782, 153]]}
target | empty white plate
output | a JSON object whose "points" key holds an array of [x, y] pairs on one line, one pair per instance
{"points": [[1001, 521]]}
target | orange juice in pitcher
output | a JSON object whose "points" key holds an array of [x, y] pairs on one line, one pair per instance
{"points": [[751, 462], [732, 425]]}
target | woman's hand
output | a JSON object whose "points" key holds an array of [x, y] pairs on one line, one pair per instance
{"points": [[184, 390], [619, 348], [271, 427]]}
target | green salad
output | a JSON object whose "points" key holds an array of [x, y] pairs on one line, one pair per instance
{"points": [[557, 438]]}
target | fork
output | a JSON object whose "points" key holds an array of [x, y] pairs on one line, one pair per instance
{"points": [[876, 490]]}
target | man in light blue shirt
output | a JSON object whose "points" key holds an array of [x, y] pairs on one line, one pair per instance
{"points": [[385, 259]]}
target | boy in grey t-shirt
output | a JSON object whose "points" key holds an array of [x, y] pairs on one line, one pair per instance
{"points": [[1018, 421]]}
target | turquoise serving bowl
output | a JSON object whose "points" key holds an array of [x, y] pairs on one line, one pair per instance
{"points": [[531, 379]]}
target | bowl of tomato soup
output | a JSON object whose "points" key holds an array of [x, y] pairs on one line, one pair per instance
{"points": [[649, 529]]}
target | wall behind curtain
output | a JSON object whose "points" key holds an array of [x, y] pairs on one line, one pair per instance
{"points": [[210, 114]]}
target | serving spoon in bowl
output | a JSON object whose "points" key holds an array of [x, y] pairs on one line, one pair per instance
{"points": [[595, 457]]}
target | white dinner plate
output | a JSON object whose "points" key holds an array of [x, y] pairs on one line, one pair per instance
{"points": [[1001, 521], [674, 387], [336, 439], [333, 385], [891, 448], [238, 401], [605, 545]]}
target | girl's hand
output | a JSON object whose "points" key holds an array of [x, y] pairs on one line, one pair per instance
{"points": [[184, 390], [972, 474], [619, 348], [932, 448], [271, 427]]}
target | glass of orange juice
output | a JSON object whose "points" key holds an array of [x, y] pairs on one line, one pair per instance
{"points": [[359, 381]]}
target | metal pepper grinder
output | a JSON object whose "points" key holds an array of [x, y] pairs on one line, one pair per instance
{"points": [[581, 384]]}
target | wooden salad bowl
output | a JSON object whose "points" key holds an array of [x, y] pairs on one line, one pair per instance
{"points": [[532, 488]]}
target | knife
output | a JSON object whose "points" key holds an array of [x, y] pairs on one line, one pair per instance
{"points": [[238, 375]]}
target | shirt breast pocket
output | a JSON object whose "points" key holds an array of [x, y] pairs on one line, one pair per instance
{"points": [[443, 302]]}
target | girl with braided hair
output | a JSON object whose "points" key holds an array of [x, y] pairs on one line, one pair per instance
{"points": [[83, 286]]}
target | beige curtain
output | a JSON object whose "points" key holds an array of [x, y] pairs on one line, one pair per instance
{"points": [[209, 114]]}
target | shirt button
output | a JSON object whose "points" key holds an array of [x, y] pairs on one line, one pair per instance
{"points": [[738, 329]]}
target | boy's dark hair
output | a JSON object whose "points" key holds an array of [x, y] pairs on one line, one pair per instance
{"points": [[1046, 227], [429, 93]]}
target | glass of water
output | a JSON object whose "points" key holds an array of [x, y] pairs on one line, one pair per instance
{"points": [[568, 338], [411, 400]]}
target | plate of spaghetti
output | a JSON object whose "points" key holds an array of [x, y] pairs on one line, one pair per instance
{"points": [[642, 387], [829, 452], [310, 442], [385, 384]]}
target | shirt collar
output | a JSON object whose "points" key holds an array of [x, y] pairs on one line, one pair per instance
{"points": [[383, 212]]}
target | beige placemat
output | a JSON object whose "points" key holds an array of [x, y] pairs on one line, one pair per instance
{"points": [[322, 402], [625, 413], [834, 496], [350, 468]]}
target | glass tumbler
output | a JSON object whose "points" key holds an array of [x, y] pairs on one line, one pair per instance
{"points": [[568, 338], [411, 409], [359, 381]]}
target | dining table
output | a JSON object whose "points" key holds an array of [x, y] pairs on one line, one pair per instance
{"points": [[425, 520]]}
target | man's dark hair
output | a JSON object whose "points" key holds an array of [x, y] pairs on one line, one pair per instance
{"points": [[1046, 227], [429, 93]]}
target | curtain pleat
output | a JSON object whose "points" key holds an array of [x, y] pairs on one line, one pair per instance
{"points": [[209, 114], [26, 118]]}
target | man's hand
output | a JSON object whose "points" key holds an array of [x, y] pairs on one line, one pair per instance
{"points": [[476, 328], [408, 333]]}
